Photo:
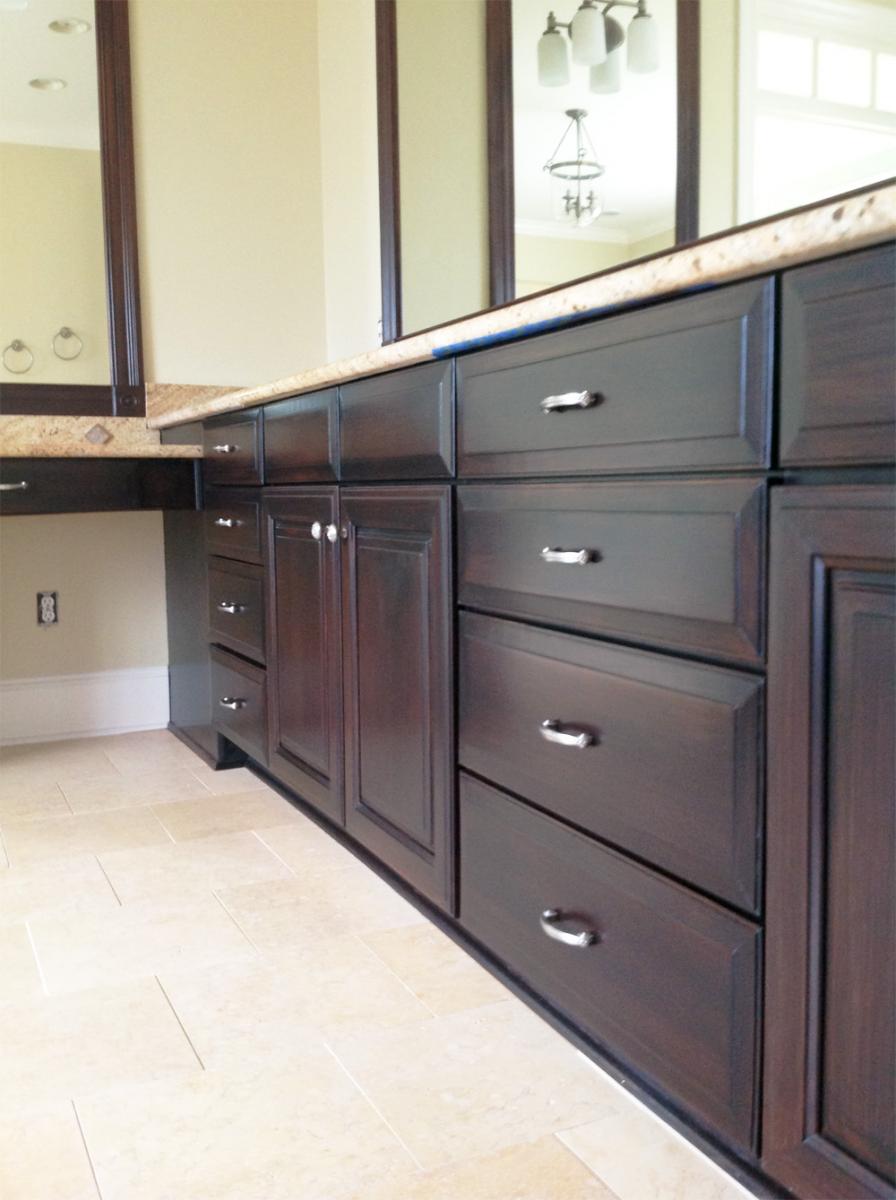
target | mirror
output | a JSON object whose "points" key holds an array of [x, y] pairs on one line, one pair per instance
{"points": [[69, 290]]}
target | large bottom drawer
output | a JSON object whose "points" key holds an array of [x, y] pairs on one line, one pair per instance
{"points": [[239, 710], [667, 981]]}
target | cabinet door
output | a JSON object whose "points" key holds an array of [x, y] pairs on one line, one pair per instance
{"points": [[397, 640], [304, 648], [830, 1002]]}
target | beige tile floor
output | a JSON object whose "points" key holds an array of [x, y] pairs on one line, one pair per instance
{"points": [[204, 997]]}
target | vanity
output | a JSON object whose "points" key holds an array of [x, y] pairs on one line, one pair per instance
{"points": [[585, 640]]}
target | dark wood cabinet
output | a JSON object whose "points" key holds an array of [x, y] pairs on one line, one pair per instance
{"points": [[304, 652], [69, 485], [301, 439], [232, 448], [397, 640], [830, 1051], [239, 703]]}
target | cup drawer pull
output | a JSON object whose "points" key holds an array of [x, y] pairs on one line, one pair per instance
{"points": [[225, 448], [227, 522], [551, 732], [232, 702], [567, 400], [550, 919], [228, 606], [578, 558]]}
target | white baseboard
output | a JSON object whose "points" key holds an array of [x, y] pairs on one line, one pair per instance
{"points": [[72, 706]]}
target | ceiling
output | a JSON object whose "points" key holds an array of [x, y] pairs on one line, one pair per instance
{"points": [[29, 50], [634, 132]]}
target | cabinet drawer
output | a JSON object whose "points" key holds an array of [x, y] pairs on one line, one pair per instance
{"points": [[400, 425], [301, 439], [670, 764], [676, 564], [669, 985], [838, 360], [231, 448], [59, 485], [238, 703], [233, 523], [682, 384], [236, 607]]}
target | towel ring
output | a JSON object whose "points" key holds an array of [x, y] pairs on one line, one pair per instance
{"points": [[17, 346], [66, 335]]}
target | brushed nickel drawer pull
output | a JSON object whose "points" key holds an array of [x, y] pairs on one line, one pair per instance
{"points": [[579, 558], [227, 522], [231, 702], [332, 533], [14, 487], [551, 732], [225, 448], [317, 530], [549, 919], [228, 606], [568, 400]]}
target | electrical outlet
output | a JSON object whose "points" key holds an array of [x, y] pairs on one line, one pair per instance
{"points": [[47, 608]]}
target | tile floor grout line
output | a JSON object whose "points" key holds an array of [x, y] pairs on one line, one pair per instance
{"points": [[3, 848], [414, 1159], [271, 850], [176, 1016], [61, 789], [404, 983], [171, 838], [236, 923], [108, 880], [40, 970], [96, 1182], [557, 1134]]}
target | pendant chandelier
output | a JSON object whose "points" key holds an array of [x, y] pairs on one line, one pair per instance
{"points": [[597, 39], [574, 165]]}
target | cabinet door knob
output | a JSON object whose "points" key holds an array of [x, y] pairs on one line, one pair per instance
{"points": [[232, 702], [551, 732], [225, 448], [229, 607], [551, 404], [227, 522], [14, 487], [549, 920], [578, 558], [317, 531], [332, 533]]}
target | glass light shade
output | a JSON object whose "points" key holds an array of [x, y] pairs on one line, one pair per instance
{"points": [[643, 44], [606, 77], [589, 36], [553, 60]]}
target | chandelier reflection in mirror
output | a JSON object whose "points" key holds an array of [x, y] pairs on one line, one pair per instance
{"points": [[574, 165], [597, 39]]}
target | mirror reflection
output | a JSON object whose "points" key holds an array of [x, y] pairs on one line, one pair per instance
{"points": [[594, 101], [53, 315]]}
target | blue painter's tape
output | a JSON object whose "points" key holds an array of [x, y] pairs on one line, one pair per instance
{"points": [[553, 323]]}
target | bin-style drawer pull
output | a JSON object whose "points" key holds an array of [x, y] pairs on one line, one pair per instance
{"points": [[227, 522], [232, 702], [578, 558], [225, 448], [551, 404], [229, 606], [14, 487], [551, 732], [549, 923]]}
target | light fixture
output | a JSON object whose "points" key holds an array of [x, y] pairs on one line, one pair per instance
{"points": [[69, 25], [596, 38], [575, 169], [47, 85]]}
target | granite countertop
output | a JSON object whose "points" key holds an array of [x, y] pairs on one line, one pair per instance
{"points": [[84, 437], [826, 229]]}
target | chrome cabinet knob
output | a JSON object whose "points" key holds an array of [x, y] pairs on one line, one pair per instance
{"points": [[332, 533], [551, 732], [549, 921], [317, 531], [577, 558], [228, 606], [227, 522], [567, 400], [225, 448], [232, 702]]}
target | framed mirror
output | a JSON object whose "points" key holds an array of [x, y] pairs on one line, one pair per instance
{"points": [[69, 284]]}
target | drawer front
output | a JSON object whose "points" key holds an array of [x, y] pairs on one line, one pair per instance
{"points": [[683, 384], [231, 448], [838, 360], [236, 607], [301, 439], [674, 564], [669, 986], [59, 485], [233, 524], [238, 703], [400, 425], [667, 764]]}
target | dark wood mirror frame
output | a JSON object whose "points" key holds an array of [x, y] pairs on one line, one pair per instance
{"points": [[125, 395], [499, 106]]}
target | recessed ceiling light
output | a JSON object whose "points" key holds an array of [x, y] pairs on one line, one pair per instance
{"points": [[47, 85], [69, 25]]}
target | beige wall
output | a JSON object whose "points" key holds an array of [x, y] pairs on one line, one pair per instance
{"points": [[227, 141], [443, 177], [109, 571], [718, 115], [52, 260]]}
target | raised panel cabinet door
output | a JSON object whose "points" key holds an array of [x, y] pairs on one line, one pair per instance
{"points": [[397, 643], [304, 645], [830, 1088]]}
